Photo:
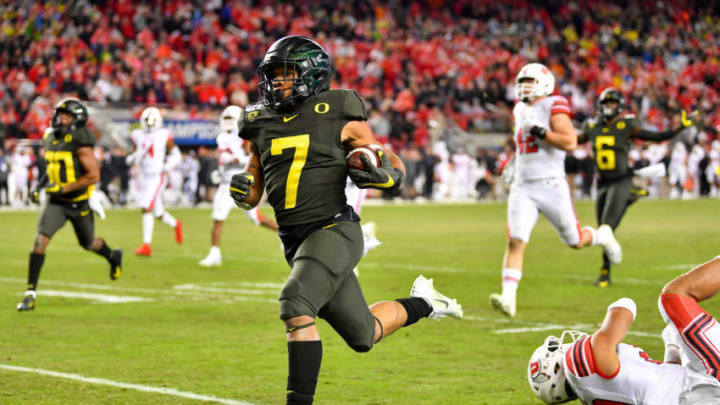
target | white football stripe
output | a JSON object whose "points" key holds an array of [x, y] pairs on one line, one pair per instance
{"points": [[194, 287], [137, 387], [541, 326], [112, 299]]}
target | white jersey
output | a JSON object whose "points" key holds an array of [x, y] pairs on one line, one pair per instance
{"points": [[152, 147], [640, 380], [231, 155], [536, 158]]}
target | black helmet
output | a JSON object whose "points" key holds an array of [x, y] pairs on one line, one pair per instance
{"points": [[309, 61], [607, 95], [73, 107]]}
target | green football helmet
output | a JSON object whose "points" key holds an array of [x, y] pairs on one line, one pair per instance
{"points": [[73, 107], [310, 65], [610, 94]]}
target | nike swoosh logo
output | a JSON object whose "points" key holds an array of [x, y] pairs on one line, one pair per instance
{"points": [[447, 304], [389, 183], [286, 119]]}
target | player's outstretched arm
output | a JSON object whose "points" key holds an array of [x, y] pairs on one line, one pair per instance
{"points": [[618, 319], [686, 121], [92, 173]]}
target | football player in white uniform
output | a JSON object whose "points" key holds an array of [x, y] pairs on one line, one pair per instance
{"points": [[599, 369], [543, 133], [356, 197], [156, 154], [233, 159]]}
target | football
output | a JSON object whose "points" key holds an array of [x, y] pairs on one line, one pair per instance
{"points": [[353, 158]]}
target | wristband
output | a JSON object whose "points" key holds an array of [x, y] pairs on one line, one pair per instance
{"points": [[626, 303]]}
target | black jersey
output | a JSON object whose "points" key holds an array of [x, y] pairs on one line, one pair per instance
{"points": [[301, 154], [63, 165], [611, 145]]}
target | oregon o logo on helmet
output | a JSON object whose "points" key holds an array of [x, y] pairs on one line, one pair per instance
{"points": [[68, 138], [322, 108]]}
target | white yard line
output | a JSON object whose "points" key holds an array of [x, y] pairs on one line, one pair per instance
{"points": [[137, 387], [107, 298], [228, 296], [541, 326]]}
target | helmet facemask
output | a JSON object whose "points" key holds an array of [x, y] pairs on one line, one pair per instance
{"points": [[72, 107], [610, 104], [294, 68], [546, 373]]}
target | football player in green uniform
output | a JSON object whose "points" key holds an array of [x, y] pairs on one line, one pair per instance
{"points": [[71, 172], [610, 134], [300, 134]]}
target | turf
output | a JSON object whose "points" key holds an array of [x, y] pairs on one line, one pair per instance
{"points": [[213, 332]]}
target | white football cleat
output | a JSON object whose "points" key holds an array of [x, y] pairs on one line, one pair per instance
{"points": [[371, 241], [211, 260], [441, 305], [505, 305], [606, 239]]}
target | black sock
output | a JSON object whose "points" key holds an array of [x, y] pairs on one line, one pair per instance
{"points": [[606, 264], [105, 251], [416, 308], [304, 360], [34, 267]]}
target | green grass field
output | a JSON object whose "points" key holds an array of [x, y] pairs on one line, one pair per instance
{"points": [[217, 333]]}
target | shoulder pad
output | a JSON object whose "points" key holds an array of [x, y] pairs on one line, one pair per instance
{"points": [[84, 136], [252, 114], [354, 106]]}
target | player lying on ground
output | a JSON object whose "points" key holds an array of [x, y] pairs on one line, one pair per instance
{"points": [[600, 369], [300, 134]]}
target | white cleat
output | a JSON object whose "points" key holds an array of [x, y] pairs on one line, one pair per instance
{"points": [[502, 304], [356, 271], [371, 241], [441, 305], [606, 239], [211, 261]]}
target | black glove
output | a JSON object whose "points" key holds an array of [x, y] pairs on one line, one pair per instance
{"points": [[385, 177], [240, 189], [538, 132]]}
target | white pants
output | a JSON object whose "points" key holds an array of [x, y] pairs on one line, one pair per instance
{"points": [[151, 193], [223, 204], [355, 196], [549, 196]]}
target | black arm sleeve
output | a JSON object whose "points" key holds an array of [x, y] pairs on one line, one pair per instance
{"points": [[646, 135]]}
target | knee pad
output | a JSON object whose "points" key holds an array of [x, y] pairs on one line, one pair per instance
{"points": [[291, 302], [362, 348]]}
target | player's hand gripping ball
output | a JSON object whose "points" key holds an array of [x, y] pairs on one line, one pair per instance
{"points": [[354, 158]]}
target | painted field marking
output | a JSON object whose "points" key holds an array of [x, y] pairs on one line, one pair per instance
{"points": [[167, 294], [137, 387], [107, 298], [541, 326]]}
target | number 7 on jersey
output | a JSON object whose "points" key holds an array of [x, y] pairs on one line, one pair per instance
{"points": [[301, 143]]}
